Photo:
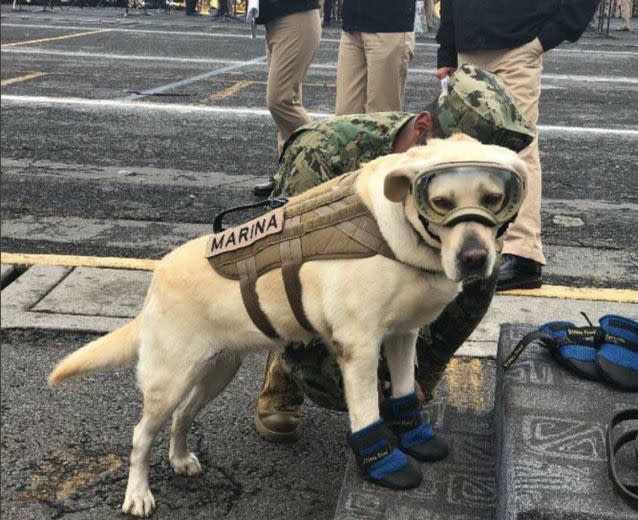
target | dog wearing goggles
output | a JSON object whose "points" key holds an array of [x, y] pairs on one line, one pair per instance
{"points": [[439, 208], [463, 206]]}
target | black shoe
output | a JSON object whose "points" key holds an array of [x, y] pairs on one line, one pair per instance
{"points": [[265, 188], [517, 272]]}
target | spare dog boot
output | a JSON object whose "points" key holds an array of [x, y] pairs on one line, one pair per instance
{"points": [[618, 354], [278, 410], [379, 460], [574, 347], [416, 438]]}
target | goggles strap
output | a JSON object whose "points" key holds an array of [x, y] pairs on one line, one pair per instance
{"points": [[501, 231], [432, 235]]}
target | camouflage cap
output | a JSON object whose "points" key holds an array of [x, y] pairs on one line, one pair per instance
{"points": [[478, 104]]}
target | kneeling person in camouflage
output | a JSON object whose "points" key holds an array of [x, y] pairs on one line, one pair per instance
{"points": [[477, 104]]}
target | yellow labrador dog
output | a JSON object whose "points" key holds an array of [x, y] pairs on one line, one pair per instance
{"points": [[439, 208]]}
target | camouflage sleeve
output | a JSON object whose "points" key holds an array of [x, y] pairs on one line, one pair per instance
{"points": [[438, 341], [301, 170]]}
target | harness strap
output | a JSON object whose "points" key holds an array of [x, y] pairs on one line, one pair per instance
{"points": [[364, 232], [247, 282], [291, 260]]}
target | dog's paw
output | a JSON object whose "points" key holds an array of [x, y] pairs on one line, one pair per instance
{"points": [[188, 465], [139, 504]]}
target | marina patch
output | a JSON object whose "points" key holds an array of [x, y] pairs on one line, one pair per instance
{"points": [[245, 234]]}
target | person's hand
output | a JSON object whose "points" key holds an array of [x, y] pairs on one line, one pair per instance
{"points": [[444, 72]]}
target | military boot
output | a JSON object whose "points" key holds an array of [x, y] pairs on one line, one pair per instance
{"points": [[278, 409]]}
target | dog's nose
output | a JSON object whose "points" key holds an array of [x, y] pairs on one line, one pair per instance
{"points": [[474, 259]]}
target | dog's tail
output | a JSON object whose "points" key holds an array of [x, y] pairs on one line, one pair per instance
{"points": [[113, 350]]}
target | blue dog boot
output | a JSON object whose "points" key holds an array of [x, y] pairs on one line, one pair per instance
{"points": [[380, 461], [574, 347], [416, 438], [618, 354]]}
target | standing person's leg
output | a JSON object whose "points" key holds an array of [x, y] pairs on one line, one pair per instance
{"points": [[352, 76], [291, 44], [327, 12], [278, 409], [626, 7], [520, 70], [428, 7], [388, 56]]}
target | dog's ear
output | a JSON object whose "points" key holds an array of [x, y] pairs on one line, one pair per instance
{"points": [[397, 185]]}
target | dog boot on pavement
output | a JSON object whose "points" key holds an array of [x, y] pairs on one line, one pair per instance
{"points": [[278, 410], [618, 354], [379, 459], [416, 438]]}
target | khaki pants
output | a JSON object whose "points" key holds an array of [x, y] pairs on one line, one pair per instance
{"points": [[520, 69], [371, 71], [291, 43], [626, 6], [428, 8]]}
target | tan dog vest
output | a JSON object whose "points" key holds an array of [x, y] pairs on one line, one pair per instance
{"points": [[333, 223]]}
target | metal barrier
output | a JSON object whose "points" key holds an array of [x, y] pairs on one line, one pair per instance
{"points": [[603, 16], [608, 9]]}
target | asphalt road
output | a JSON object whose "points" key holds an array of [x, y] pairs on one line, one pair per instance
{"points": [[65, 451], [87, 170]]}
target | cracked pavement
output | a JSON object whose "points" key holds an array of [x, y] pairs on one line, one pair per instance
{"points": [[65, 451]]}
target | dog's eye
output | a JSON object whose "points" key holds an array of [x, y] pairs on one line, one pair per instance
{"points": [[491, 199], [442, 204]]}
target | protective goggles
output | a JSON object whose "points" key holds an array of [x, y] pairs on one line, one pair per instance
{"points": [[483, 192]]}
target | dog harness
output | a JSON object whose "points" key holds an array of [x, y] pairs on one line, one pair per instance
{"points": [[328, 222]]}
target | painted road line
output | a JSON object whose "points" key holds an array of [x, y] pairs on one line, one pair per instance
{"points": [[147, 264], [54, 38], [124, 104], [247, 36], [570, 78], [20, 79], [233, 89], [240, 85], [577, 293], [187, 81], [124, 57]]}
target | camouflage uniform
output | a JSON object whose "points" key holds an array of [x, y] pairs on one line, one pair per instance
{"points": [[320, 151], [476, 104]]}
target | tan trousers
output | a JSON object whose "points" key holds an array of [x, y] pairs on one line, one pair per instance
{"points": [[626, 6], [428, 8], [520, 69], [371, 71], [291, 43]]}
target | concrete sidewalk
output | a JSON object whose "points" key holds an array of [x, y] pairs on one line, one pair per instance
{"points": [[87, 299]]}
